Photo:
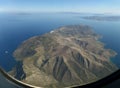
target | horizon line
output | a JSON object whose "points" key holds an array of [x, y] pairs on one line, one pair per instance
{"points": [[66, 12]]}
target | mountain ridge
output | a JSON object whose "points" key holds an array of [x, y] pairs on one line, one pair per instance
{"points": [[70, 55]]}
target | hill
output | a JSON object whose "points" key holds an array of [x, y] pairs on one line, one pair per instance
{"points": [[67, 56]]}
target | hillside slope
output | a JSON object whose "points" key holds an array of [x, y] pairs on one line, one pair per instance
{"points": [[70, 55]]}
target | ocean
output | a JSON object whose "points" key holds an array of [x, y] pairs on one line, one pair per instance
{"points": [[17, 27]]}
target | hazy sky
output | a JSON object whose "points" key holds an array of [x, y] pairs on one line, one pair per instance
{"points": [[93, 6]]}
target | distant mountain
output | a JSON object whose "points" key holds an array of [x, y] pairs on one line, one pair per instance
{"points": [[68, 56], [103, 18]]}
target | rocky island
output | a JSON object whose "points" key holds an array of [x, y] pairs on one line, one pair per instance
{"points": [[103, 18], [68, 56]]}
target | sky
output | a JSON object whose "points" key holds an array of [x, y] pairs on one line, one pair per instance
{"points": [[87, 6]]}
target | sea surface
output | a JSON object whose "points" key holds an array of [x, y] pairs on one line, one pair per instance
{"points": [[17, 27]]}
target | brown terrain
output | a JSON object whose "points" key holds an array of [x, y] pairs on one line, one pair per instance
{"points": [[68, 56]]}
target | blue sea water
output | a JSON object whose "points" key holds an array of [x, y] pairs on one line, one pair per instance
{"points": [[15, 28]]}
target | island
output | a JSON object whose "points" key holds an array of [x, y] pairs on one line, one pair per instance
{"points": [[102, 18], [68, 56]]}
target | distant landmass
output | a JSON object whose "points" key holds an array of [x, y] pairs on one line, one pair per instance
{"points": [[103, 18], [68, 56]]}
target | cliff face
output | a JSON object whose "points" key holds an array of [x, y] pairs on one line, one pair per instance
{"points": [[67, 56]]}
